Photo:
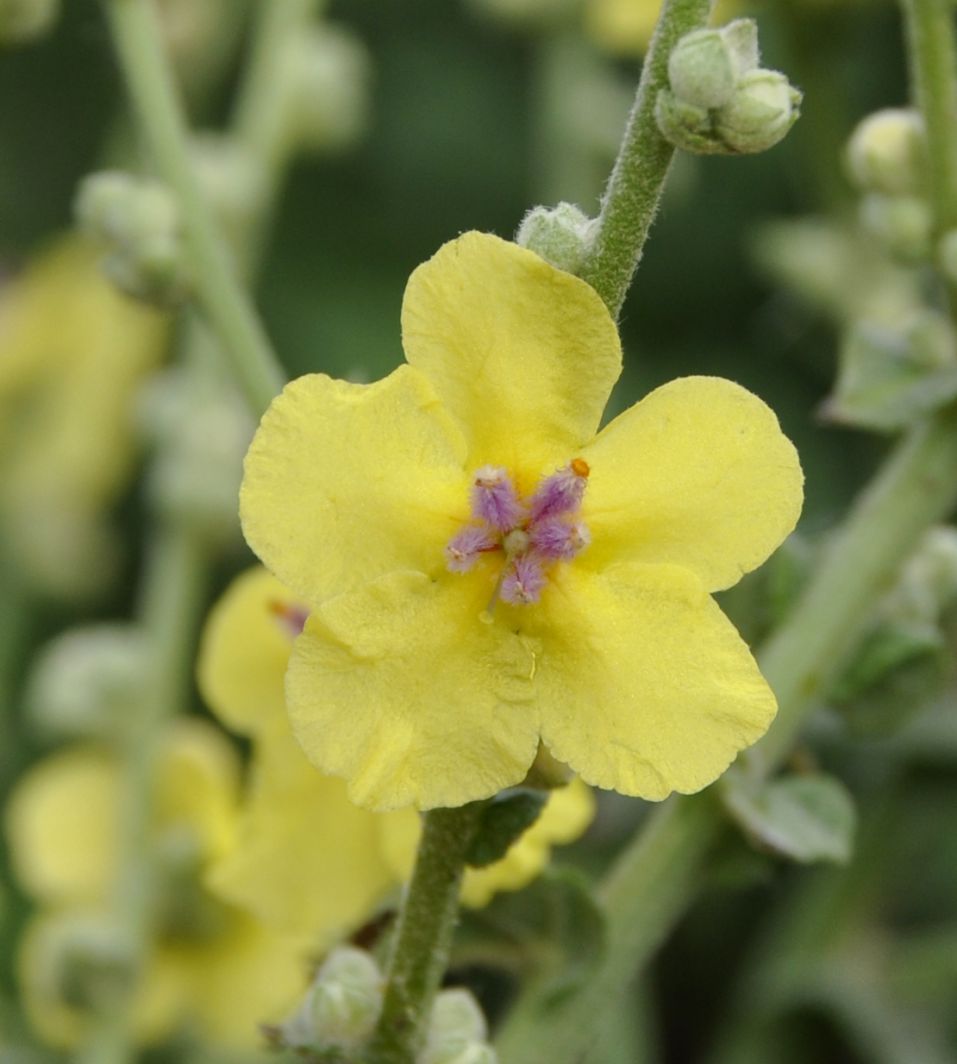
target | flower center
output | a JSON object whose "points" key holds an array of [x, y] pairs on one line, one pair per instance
{"points": [[533, 534]]}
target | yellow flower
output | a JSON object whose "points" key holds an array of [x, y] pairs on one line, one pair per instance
{"points": [[482, 571], [211, 965], [72, 355], [307, 859]]}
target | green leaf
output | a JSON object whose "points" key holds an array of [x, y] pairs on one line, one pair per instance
{"points": [[807, 818], [505, 817]]}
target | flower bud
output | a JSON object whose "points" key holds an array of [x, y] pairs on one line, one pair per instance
{"points": [[137, 219], [231, 180], [760, 113], [686, 125], [559, 234], [22, 21], [457, 1031], [902, 223], [328, 76], [85, 681], [886, 152], [341, 1007], [705, 66]]}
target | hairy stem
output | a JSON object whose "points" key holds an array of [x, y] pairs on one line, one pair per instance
{"points": [[424, 934], [634, 189]]}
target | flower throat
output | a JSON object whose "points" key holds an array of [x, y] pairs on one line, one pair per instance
{"points": [[532, 534]]}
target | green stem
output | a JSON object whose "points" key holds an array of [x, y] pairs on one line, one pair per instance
{"points": [[260, 121], [423, 937], [933, 69], [172, 599], [137, 40], [634, 189]]}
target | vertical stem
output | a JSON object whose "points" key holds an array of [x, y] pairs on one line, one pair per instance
{"points": [[424, 934], [933, 70], [634, 189], [172, 597], [137, 38]]}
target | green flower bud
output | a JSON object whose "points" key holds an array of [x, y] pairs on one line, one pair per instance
{"points": [[22, 21], [561, 235], [84, 682], [886, 152], [686, 125], [760, 113], [700, 69], [904, 224], [457, 1031], [705, 66], [138, 221], [327, 71], [341, 1007]]}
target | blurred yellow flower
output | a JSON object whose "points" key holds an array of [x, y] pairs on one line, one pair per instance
{"points": [[307, 859], [212, 966], [72, 355], [483, 572]]}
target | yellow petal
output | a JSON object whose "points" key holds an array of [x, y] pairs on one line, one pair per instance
{"points": [[568, 811], [646, 686], [697, 474], [522, 355], [197, 785], [400, 688], [237, 981], [307, 860], [622, 26], [344, 482], [62, 826], [244, 652]]}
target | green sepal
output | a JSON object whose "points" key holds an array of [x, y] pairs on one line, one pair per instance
{"points": [[807, 818], [504, 818]]}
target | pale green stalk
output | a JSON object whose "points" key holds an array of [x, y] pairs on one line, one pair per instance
{"points": [[634, 189], [138, 42], [171, 601], [423, 937]]}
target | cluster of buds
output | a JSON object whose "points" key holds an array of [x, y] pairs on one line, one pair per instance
{"points": [[138, 221], [719, 100], [343, 1004], [886, 163]]}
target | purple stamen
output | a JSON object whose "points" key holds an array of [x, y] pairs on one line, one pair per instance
{"points": [[561, 493], [523, 581], [495, 500], [558, 539], [290, 616], [463, 550]]}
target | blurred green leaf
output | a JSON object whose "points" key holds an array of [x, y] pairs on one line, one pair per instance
{"points": [[807, 818]]}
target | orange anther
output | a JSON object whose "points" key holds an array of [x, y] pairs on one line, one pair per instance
{"points": [[580, 467]]}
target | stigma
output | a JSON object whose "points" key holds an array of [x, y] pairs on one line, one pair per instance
{"points": [[531, 535]]}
